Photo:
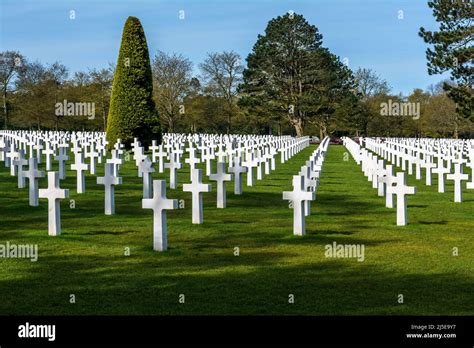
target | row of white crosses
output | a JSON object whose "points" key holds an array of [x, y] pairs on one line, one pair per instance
{"points": [[173, 148], [404, 152], [160, 203], [259, 152], [13, 145], [382, 178], [304, 188], [249, 152]]}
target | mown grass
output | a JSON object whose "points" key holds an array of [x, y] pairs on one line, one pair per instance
{"points": [[88, 259]]}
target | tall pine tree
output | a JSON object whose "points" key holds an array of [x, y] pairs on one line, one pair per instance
{"points": [[453, 50], [291, 76]]}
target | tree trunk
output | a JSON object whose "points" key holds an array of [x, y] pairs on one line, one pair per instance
{"points": [[5, 110], [55, 102], [322, 131], [229, 116], [104, 116], [298, 124]]}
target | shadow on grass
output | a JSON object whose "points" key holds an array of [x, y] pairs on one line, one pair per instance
{"points": [[103, 232], [444, 222], [253, 283]]}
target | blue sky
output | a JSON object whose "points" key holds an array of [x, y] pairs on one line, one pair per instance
{"points": [[367, 32]]}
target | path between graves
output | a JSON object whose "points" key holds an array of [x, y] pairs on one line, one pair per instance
{"points": [[345, 200]]}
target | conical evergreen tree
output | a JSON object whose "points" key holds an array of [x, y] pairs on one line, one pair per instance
{"points": [[132, 111]]}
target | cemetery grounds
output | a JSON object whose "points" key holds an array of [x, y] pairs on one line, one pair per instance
{"points": [[90, 259]]}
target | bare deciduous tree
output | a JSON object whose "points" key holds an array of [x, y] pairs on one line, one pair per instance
{"points": [[171, 82], [369, 83], [103, 79], [11, 64], [223, 73]]}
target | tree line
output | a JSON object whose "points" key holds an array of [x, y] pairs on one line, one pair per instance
{"points": [[291, 84]]}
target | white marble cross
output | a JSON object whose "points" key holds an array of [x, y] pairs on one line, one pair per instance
{"points": [[159, 204], [250, 163], [38, 147], [116, 161], [118, 146], [237, 169], [411, 160], [92, 154], [298, 196], [4, 149], [208, 156], [309, 184], [192, 161], [197, 188], [139, 156], [260, 160], [146, 168], [221, 154], [429, 166], [458, 176], [11, 156], [80, 167], [32, 174], [273, 152], [173, 166], [48, 152], [178, 152], [153, 147], [101, 150], [401, 190], [30, 144], [470, 184], [161, 155], [380, 172], [62, 158], [54, 193], [441, 170], [418, 161], [221, 177], [109, 180], [135, 144], [76, 148], [373, 172], [19, 162], [388, 179]]}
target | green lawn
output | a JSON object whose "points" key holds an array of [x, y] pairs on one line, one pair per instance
{"points": [[88, 260]]}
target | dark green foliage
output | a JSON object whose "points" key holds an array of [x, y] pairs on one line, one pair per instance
{"points": [[132, 110], [453, 50], [289, 73]]}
